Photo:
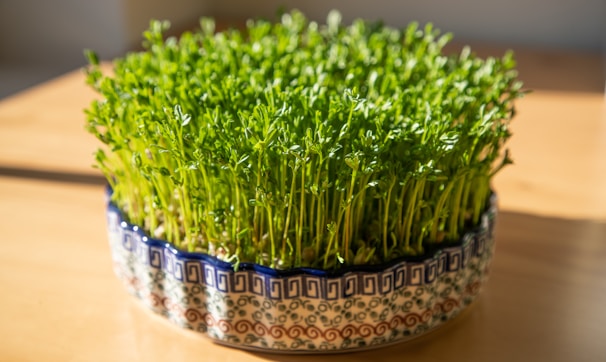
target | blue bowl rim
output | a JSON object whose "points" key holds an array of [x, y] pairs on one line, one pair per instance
{"points": [[430, 253]]}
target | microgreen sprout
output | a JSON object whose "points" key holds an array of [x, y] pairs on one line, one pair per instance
{"points": [[294, 144]]}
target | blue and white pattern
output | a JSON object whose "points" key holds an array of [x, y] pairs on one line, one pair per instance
{"points": [[302, 310], [308, 283]]}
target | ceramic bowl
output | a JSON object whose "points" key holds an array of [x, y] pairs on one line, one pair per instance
{"points": [[302, 310]]}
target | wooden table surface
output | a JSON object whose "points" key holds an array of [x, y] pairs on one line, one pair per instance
{"points": [[545, 301]]}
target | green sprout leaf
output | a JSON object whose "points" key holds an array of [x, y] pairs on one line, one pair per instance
{"points": [[293, 143]]}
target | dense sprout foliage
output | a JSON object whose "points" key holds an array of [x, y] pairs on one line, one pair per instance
{"points": [[298, 144]]}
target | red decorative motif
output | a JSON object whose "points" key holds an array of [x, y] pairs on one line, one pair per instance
{"points": [[155, 300], [312, 332], [473, 288], [446, 307]]}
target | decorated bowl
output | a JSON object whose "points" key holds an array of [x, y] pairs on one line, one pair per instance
{"points": [[302, 310]]}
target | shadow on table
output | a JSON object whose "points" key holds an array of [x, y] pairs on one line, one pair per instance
{"points": [[53, 176]]}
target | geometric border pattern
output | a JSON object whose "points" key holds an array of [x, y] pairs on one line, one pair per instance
{"points": [[216, 274]]}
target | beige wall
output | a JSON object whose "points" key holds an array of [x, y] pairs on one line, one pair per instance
{"points": [[54, 32], [579, 24], [181, 13]]}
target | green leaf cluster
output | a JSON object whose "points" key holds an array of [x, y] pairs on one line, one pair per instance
{"points": [[294, 143]]}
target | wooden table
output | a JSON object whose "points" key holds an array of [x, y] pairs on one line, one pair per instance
{"points": [[545, 301]]}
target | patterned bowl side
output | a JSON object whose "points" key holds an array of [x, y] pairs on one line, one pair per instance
{"points": [[302, 310]]}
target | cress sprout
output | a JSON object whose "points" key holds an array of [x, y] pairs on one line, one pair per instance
{"points": [[295, 144]]}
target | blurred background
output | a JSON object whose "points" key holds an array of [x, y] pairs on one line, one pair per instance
{"points": [[41, 39]]}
